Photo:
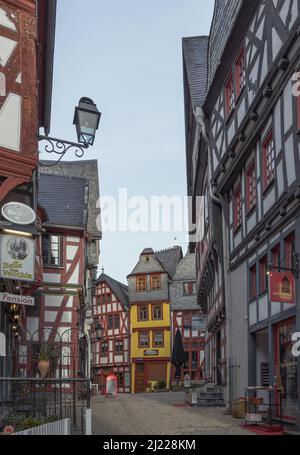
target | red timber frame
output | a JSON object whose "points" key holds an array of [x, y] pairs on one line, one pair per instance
{"points": [[191, 343], [17, 166], [107, 304], [59, 300]]}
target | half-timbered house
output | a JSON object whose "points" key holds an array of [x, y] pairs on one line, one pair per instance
{"points": [[206, 236], [252, 115], [185, 314], [111, 353], [150, 318], [27, 31]]}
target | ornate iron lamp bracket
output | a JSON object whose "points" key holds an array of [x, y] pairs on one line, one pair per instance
{"points": [[60, 147]]}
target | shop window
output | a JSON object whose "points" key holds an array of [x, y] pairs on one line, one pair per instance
{"points": [[251, 187], [289, 250], [189, 288], [52, 250], [229, 96], [157, 312], [158, 339], [155, 283], [253, 288], [104, 348], [119, 347], [143, 314], [144, 340], [268, 160], [141, 283], [240, 73], [237, 207], [263, 276]]}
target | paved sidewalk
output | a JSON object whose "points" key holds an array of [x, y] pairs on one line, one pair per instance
{"points": [[159, 414]]}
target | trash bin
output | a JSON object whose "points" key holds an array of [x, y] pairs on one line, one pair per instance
{"points": [[111, 386]]}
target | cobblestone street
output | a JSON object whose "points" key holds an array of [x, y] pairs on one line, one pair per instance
{"points": [[159, 414]]}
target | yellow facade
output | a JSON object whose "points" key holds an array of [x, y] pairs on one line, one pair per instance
{"points": [[160, 358]]}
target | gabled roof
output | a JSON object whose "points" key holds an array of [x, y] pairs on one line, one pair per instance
{"points": [[225, 15], [169, 259], [88, 169], [195, 51], [119, 289], [63, 199]]}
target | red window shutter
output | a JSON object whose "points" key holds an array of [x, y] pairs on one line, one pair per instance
{"points": [[237, 207], [240, 72], [289, 249], [268, 150], [229, 96], [253, 290], [263, 283], [251, 187]]}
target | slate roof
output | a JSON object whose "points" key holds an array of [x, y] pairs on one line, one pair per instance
{"points": [[169, 259], [225, 15], [195, 52], [88, 169], [119, 289], [63, 198]]}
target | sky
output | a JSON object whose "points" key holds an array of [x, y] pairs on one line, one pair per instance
{"points": [[127, 57]]}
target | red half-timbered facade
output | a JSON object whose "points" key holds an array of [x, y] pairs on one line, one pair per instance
{"points": [[111, 352]]}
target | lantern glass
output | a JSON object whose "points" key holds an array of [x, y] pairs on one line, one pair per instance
{"points": [[86, 120]]}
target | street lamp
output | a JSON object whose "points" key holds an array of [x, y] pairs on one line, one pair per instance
{"points": [[99, 330], [86, 120]]}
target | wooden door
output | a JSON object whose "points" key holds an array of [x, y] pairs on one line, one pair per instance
{"points": [[140, 378]]}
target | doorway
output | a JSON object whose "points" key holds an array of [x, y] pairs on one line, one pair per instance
{"points": [[140, 378]]}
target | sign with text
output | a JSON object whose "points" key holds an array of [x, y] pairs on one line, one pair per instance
{"points": [[282, 287], [151, 352], [16, 299], [17, 258], [199, 323]]}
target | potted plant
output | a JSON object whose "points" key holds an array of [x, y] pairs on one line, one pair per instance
{"points": [[46, 355]]}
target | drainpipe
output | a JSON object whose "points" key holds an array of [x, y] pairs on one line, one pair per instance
{"points": [[202, 125]]}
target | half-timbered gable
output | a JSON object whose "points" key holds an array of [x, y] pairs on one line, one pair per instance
{"points": [[184, 312], [111, 354]]}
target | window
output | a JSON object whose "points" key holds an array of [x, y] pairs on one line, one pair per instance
{"points": [[116, 321], [251, 187], [51, 246], [157, 313], [237, 207], [194, 360], [158, 339], [268, 160], [229, 96], [253, 290], [155, 282], [104, 348], [143, 313], [119, 347], [141, 283], [108, 298], [144, 339], [240, 73], [189, 288], [263, 277], [276, 259], [120, 377], [110, 322], [289, 250]]}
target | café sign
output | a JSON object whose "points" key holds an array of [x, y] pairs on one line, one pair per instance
{"points": [[18, 213], [282, 287], [16, 299], [17, 258]]}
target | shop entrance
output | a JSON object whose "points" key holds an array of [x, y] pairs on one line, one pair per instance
{"points": [[286, 368], [140, 378]]}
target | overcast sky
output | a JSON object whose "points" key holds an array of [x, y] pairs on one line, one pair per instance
{"points": [[127, 57]]}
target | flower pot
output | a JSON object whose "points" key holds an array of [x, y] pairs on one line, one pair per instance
{"points": [[44, 367]]}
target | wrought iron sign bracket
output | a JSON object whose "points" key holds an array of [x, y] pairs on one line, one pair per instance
{"points": [[60, 147], [294, 270]]}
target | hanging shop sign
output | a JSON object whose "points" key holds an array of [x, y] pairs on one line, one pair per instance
{"points": [[282, 287], [16, 299], [199, 323], [18, 213], [17, 258]]}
